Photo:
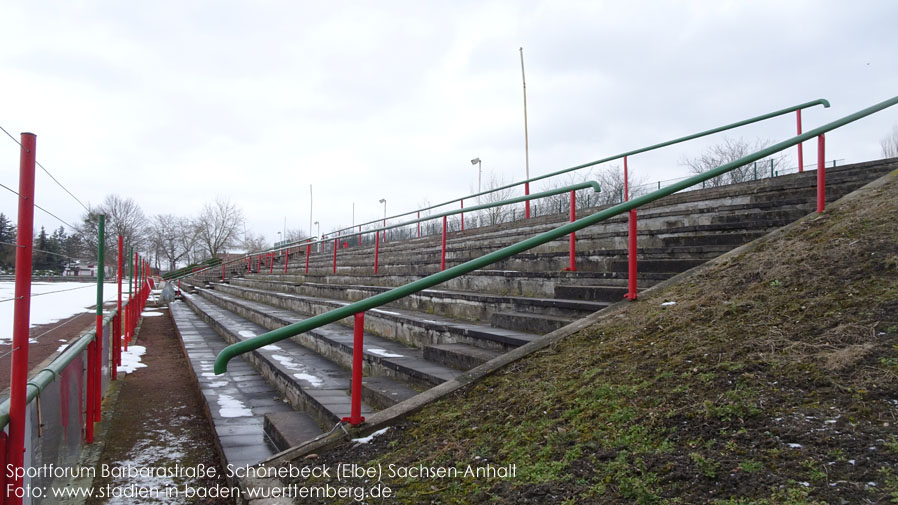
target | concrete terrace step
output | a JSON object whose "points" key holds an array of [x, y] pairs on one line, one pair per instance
{"points": [[460, 356], [409, 327], [381, 356], [311, 383], [536, 323], [458, 304], [237, 401]]}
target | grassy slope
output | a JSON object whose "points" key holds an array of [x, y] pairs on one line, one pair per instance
{"points": [[771, 380]]}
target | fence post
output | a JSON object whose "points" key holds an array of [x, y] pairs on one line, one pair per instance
{"points": [[376, 249], [631, 239], [15, 450], [286, 259], [800, 153], [631, 255], [335, 254], [419, 224], [572, 247], [821, 173], [443, 252], [355, 410], [98, 339]]}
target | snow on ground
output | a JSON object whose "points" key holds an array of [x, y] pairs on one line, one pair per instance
{"points": [[131, 359], [232, 407], [57, 301]]}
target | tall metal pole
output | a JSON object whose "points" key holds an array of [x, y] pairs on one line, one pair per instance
{"points": [[15, 448], [526, 139], [98, 339]]}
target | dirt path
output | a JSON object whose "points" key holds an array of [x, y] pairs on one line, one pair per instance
{"points": [[158, 426]]}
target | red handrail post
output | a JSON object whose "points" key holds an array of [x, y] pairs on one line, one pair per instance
{"points": [[463, 215], [800, 153], [355, 410], [572, 246], [443, 252], [286, 259], [631, 256], [335, 255], [527, 203], [15, 449], [360, 235], [631, 240], [376, 249], [271, 263], [821, 173]]}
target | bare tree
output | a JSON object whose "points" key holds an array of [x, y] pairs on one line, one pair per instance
{"points": [[730, 150], [495, 215], [611, 180], [218, 225], [167, 238], [252, 243], [889, 144], [123, 217]]}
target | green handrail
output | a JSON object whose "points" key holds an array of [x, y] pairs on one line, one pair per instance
{"points": [[551, 192], [769, 115], [221, 361]]}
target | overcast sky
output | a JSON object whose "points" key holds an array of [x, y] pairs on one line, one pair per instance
{"points": [[173, 103]]}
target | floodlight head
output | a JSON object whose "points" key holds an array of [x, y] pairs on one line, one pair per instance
{"points": [[475, 161], [383, 200]]}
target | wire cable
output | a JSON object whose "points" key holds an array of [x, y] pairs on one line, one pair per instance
{"points": [[35, 295]]}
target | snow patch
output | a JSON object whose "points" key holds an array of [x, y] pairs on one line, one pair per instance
{"points": [[365, 440], [794, 446], [247, 333], [311, 379], [150, 314], [668, 304], [385, 353], [232, 407], [131, 359]]}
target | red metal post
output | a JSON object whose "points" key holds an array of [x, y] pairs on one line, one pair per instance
{"points": [[800, 153], [360, 235], [631, 240], [98, 338], [286, 259], [527, 203], [15, 450], [335, 254], [821, 173], [443, 252], [376, 249], [631, 255], [355, 410], [572, 247], [463, 216], [271, 263]]}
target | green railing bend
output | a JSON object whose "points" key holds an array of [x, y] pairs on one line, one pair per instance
{"points": [[221, 361]]}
